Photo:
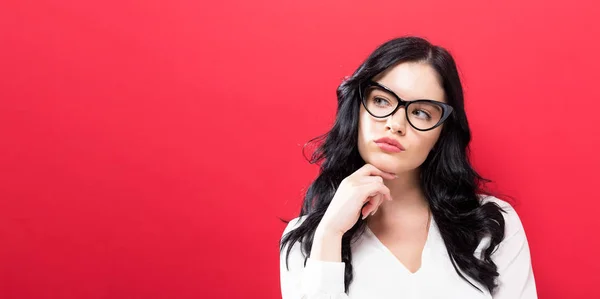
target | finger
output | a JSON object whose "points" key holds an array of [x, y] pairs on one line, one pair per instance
{"points": [[375, 188], [367, 209], [370, 179], [378, 199], [372, 206], [385, 191], [370, 170], [374, 200]]}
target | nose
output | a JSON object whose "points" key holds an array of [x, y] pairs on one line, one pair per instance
{"points": [[397, 122]]}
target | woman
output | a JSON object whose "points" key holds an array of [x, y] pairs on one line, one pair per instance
{"points": [[397, 210]]}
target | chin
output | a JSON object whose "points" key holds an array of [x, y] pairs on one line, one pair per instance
{"points": [[386, 162]]}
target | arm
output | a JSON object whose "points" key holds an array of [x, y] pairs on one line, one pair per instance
{"points": [[321, 278], [516, 280]]}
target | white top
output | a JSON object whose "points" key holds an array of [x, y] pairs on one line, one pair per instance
{"points": [[378, 274]]}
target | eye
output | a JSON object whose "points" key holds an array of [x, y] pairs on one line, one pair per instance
{"points": [[420, 113], [379, 101]]}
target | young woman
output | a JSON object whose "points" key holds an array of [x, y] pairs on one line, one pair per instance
{"points": [[397, 210]]}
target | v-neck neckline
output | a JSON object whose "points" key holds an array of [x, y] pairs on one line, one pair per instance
{"points": [[424, 252]]}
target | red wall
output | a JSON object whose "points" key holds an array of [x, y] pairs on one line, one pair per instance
{"points": [[148, 147]]}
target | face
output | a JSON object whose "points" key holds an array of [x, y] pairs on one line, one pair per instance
{"points": [[410, 81]]}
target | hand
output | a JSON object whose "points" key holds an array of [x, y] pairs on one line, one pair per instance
{"points": [[361, 193]]}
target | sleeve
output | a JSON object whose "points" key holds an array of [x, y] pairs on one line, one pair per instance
{"points": [[516, 280], [318, 280]]}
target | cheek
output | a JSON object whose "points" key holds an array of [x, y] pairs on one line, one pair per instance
{"points": [[366, 131], [427, 142], [364, 128], [424, 142]]}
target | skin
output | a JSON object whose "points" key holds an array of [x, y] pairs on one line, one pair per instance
{"points": [[389, 183], [401, 224]]}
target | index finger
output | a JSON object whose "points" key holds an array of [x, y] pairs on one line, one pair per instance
{"points": [[370, 169]]}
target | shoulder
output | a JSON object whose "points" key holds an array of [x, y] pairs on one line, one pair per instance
{"points": [[512, 256], [512, 221], [293, 224], [291, 255], [484, 198]]}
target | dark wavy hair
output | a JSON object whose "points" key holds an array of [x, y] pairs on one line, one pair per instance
{"points": [[450, 184]]}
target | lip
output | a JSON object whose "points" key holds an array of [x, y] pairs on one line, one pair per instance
{"points": [[389, 144]]}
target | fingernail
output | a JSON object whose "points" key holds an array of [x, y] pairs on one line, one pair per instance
{"points": [[364, 216]]}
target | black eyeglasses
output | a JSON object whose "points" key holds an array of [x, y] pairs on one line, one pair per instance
{"points": [[423, 114]]}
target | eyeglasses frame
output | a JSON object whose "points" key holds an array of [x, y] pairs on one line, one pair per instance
{"points": [[446, 109]]}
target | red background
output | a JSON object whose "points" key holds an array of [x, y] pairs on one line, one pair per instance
{"points": [[148, 147]]}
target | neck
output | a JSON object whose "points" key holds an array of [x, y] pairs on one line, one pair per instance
{"points": [[408, 201]]}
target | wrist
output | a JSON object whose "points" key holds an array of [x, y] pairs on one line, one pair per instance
{"points": [[326, 246], [324, 233]]}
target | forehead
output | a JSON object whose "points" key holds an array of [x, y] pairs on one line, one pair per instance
{"points": [[412, 81]]}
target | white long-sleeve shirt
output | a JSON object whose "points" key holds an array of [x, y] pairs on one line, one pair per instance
{"points": [[378, 274]]}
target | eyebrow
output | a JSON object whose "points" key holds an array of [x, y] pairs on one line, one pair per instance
{"points": [[393, 92]]}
